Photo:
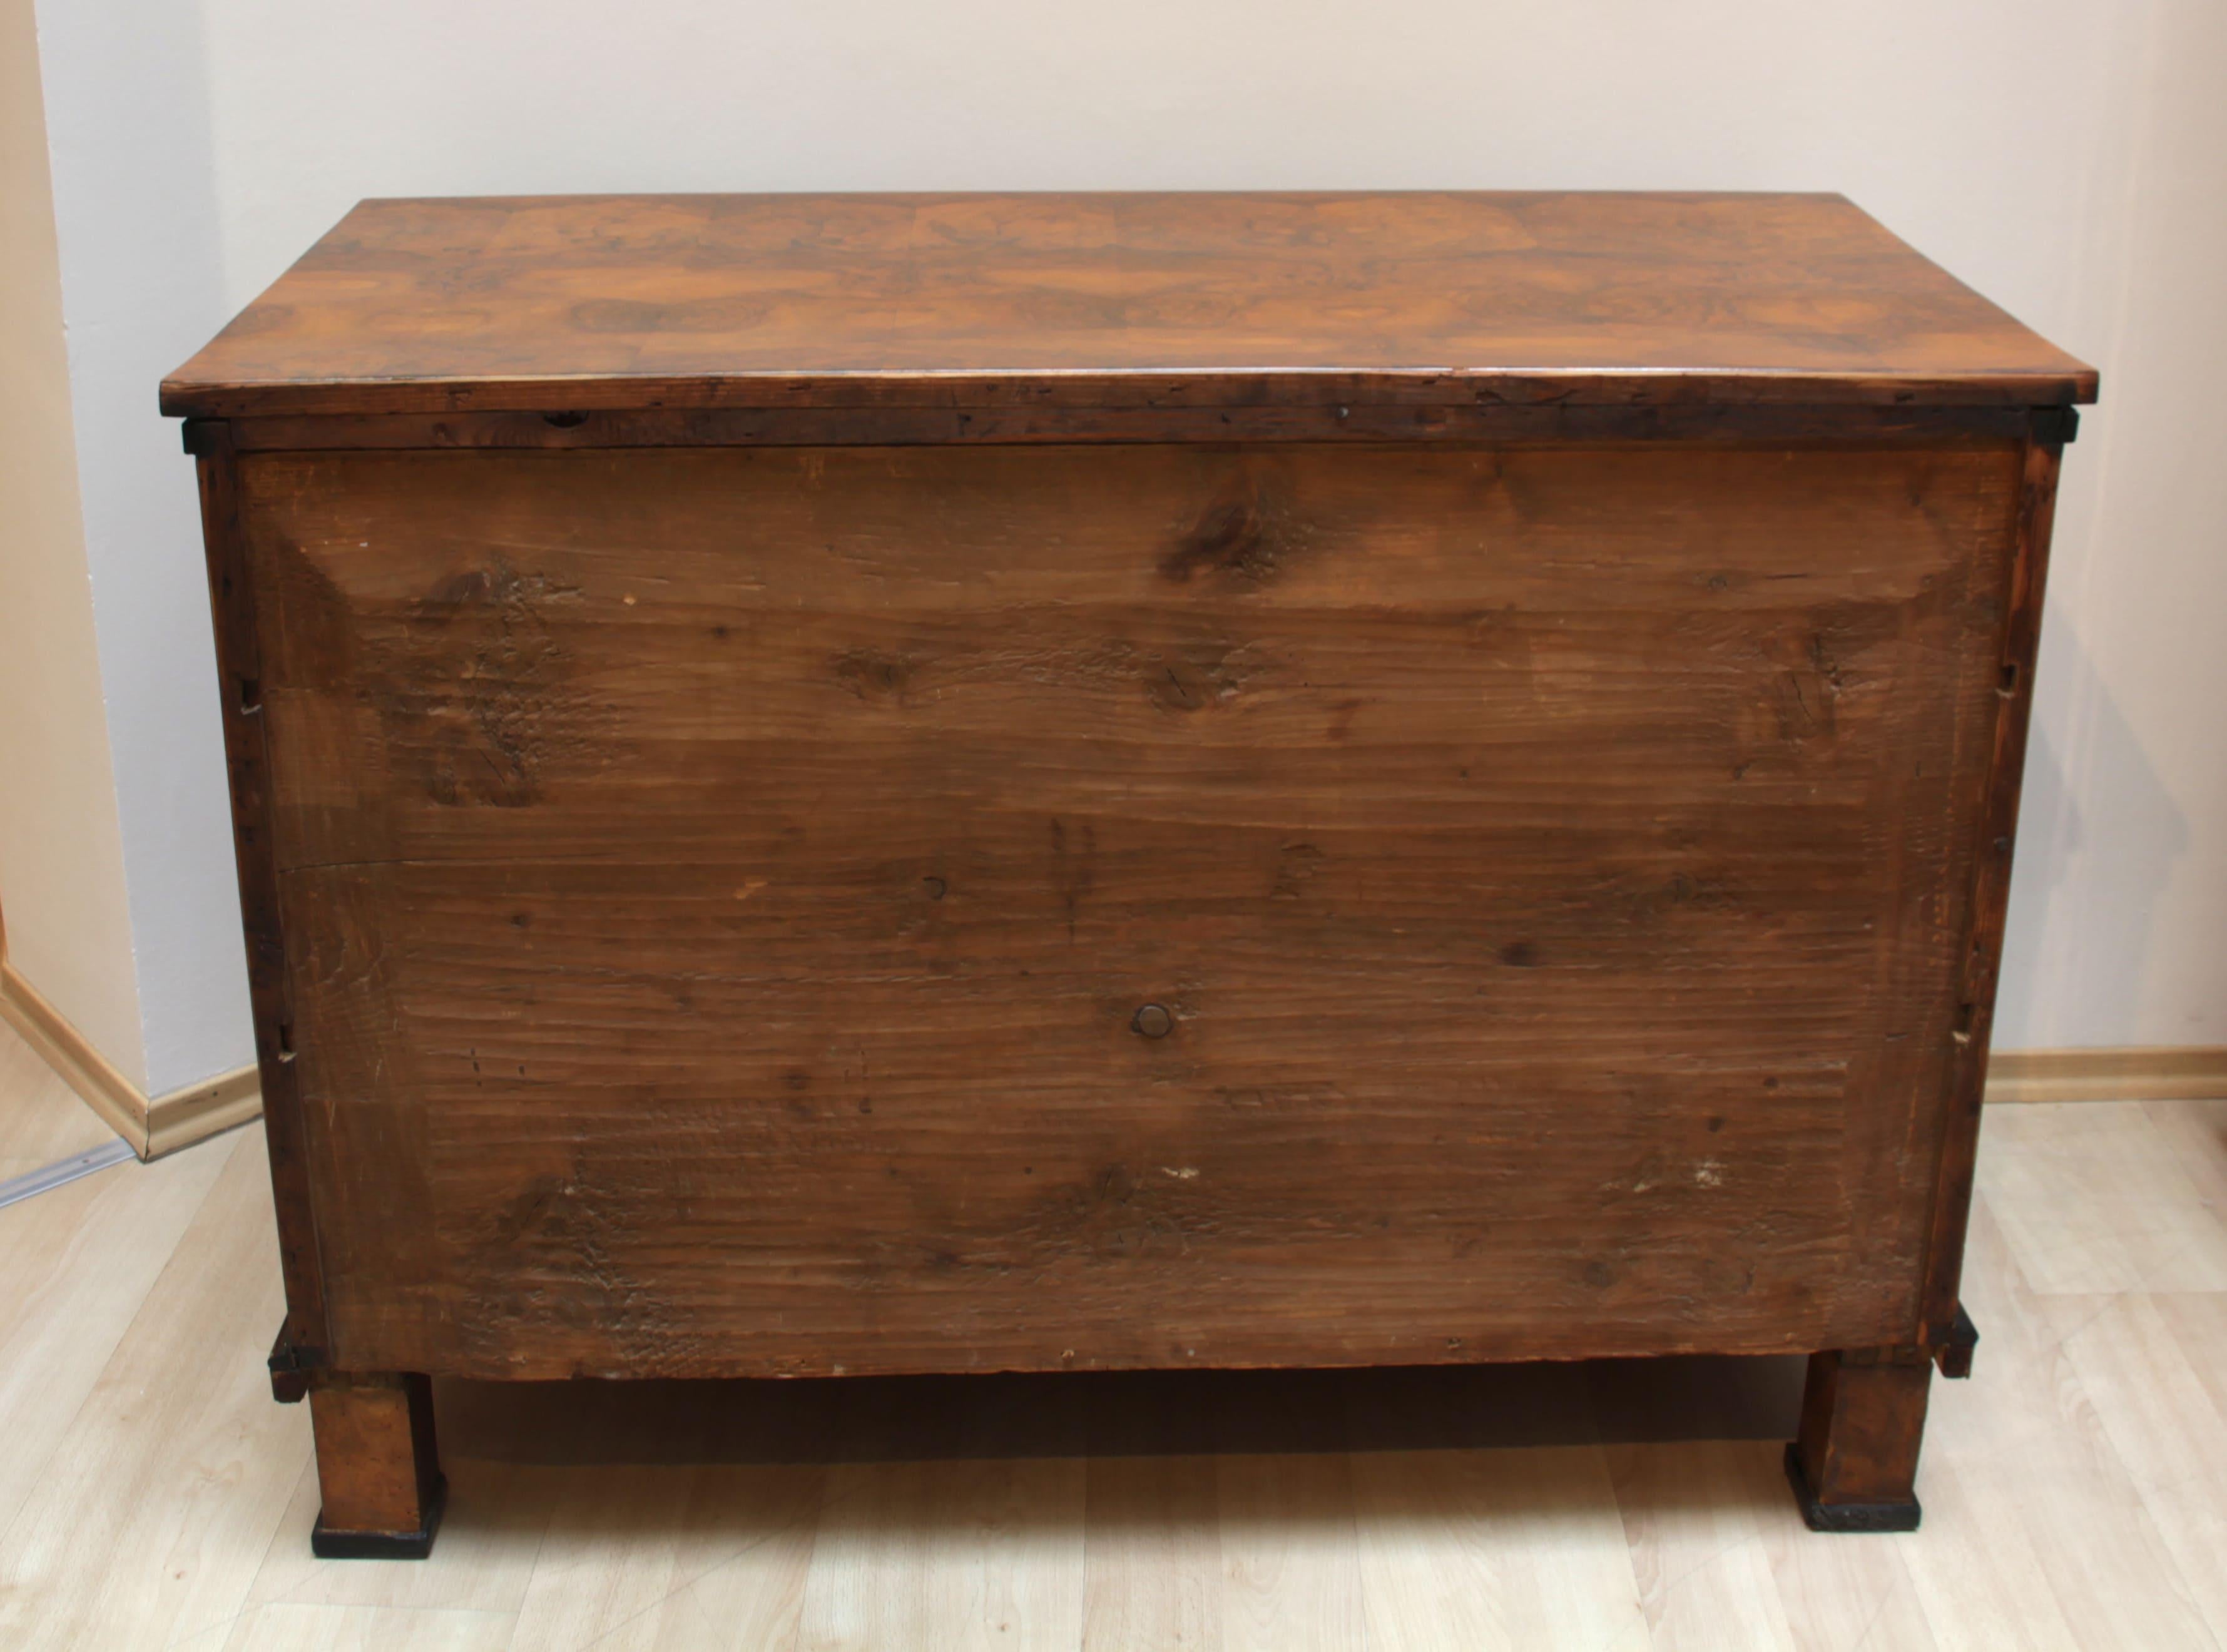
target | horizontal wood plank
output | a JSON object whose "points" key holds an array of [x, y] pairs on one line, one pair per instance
{"points": [[721, 887], [1171, 300]]}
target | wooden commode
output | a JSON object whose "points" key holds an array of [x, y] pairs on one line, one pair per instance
{"points": [[870, 784]]}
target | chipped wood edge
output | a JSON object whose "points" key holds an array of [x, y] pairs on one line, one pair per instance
{"points": [[152, 1126], [2115, 1073]]}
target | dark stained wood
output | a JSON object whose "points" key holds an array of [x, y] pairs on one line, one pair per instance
{"points": [[378, 1466], [1500, 427], [1197, 300], [1854, 1466], [876, 784], [1997, 830], [725, 881], [239, 672]]}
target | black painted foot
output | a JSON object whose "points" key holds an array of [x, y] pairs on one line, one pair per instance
{"points": [[382, 1545], [1847, 1516]]}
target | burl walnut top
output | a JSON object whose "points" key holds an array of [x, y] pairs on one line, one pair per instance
{"points": [[597, 301]]}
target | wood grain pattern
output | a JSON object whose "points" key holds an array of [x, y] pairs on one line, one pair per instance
{"points": [[837, 784], [1200, 300], [158, 1452], [239, 672], [1558, 423], [76, 1263], [376, 1460], [2076, 1490], [719, 885], [1863, 1418], [1997, 831]]}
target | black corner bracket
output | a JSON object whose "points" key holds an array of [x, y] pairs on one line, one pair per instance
{"points": [[2056, 427], [291, 1365], [1955, 1356]]}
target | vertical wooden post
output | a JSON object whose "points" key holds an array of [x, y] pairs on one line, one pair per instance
{"points": [[246, 746], [1854, 1467], [377, 1466], [1997, 830]]}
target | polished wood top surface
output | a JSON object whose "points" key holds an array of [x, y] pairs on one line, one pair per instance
{"points": [[566, 303]]}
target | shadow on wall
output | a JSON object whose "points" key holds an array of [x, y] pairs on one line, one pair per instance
{"points": [[2078, 934]]}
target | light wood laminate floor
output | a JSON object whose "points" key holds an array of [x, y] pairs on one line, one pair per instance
{"points": [[152, 1495]]}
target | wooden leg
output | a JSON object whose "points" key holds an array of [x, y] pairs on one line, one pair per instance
{"points": [[1855, 1467], [376, 1466]]}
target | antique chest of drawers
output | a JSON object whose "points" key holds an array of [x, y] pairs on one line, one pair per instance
{"points": [[875, 784]]}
